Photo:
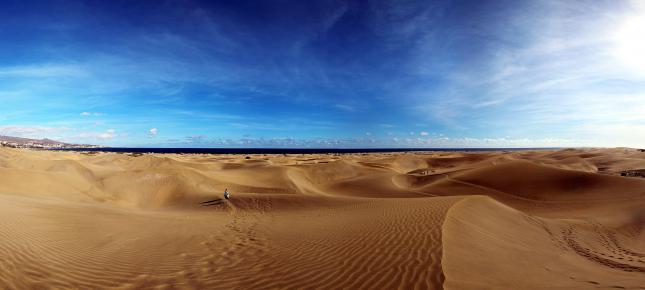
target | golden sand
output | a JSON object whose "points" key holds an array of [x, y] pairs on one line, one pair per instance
{"points": [[494, 220]]}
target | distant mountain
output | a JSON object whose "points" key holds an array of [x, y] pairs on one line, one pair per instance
{"points": [[18, 142]]}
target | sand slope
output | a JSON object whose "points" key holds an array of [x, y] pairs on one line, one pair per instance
{"points": [[512, 250], [492, 220]]}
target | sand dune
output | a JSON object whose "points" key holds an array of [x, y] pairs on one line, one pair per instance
{"points": [[512, 250], [482, 220]]}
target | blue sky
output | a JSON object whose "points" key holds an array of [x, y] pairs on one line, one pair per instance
{"points": [[324, 73]]}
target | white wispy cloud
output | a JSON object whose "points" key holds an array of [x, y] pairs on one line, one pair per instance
{"points": [[44, 71], [91, 136], [153, 132], [107, 135], [346, 108], [195, 139], [88, 114], [551, 66], [369, 142], [33, 132]]}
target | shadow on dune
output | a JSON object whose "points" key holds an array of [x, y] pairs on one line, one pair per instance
{"points": [[212, 202]]}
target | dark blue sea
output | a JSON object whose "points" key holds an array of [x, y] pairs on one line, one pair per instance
{"points": [[287, 150]]}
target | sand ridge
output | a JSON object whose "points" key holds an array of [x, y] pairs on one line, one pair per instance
{"points": [[424, 220]]}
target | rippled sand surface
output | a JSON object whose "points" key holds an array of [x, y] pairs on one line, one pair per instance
{"points": [[491, 220]]}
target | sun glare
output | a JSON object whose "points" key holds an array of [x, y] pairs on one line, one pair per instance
{"points": [[631, 42]]}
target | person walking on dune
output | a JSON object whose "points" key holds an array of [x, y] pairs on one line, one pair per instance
{"points": [[226, 194]]}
